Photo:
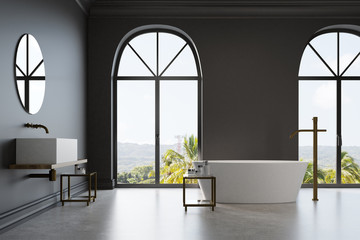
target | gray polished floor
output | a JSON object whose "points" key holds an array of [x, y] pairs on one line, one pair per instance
{"points": [[158, 214]]}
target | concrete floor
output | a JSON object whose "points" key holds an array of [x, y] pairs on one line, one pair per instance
{"points": [[158, 214]]}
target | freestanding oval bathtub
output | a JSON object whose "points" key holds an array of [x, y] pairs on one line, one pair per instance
{"points": [[255, 181]]}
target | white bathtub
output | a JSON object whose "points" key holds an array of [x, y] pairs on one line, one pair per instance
{"points": [[255, 181]]}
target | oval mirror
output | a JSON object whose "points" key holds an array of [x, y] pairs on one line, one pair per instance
{"points": [[30, 73]]}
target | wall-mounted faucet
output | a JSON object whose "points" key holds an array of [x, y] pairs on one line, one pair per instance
{"points": [[30, 125]]}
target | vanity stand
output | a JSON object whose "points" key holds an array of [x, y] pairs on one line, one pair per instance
{"points": [[87, 198], [212, 202], [52, 168]]}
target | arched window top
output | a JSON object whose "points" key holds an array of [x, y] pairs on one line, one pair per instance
{"points": [[332, 52], [339, 28], [157, 51]]}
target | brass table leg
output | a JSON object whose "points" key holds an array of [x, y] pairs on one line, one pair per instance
{"points": [[89, 197], [214, 191], [95, 189], [184, 179], [69, 187], [61, 191]]}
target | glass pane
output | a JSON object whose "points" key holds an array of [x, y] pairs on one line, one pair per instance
{"points": [[21, 90], [354, 69], [184, 64], [178, 129], [131, 65], [350, 157], [40, 71], [311, 65], [145, 46], [37, 93], [169, 46], [35, 55], [326, 46], [136, 132], [318, 99], [349, 48], [18, 73], [21, 55]]}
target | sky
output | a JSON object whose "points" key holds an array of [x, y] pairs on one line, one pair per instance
{"points": [[136, 111]]}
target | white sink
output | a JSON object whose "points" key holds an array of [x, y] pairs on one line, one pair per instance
{"points": [[45, 150]]}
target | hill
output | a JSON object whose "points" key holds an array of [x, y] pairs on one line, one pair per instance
{"points": [[327, 154], [131, 155]]}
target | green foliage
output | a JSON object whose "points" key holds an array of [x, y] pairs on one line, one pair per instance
{"points": [[175, 165], [139, 174], [309, 178], [350, 172], [349, 169], [191, 148]]}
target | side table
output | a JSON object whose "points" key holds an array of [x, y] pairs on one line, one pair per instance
{"points": [[212, 202], [87, 198]]}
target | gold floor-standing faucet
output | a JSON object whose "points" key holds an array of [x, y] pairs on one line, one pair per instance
{"points": [[315, 131]]}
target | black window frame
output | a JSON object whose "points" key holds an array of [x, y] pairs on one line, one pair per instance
{"points": [[338, 77], [123, 43]]}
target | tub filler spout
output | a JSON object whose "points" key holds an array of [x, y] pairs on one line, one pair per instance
{"points": [[315, 131]]}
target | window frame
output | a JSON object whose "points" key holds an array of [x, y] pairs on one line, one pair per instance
{"points": [[338, 78], [199, 78]]}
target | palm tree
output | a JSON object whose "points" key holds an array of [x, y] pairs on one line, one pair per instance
{"points": [[309, 177], [176, 164], [350, 172]]}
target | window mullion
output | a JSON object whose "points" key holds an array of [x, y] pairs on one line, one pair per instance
{"points": [[142, 60], [350, 64], [338, 115], [157, 115], [338, 131], [157, 53], [316, 52], [174, 59], [338, 54]]}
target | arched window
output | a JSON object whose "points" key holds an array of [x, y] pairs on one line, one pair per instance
{"points": [[158, 91], [329, 86]]}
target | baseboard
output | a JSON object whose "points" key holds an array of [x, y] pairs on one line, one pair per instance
{"points": [[105, 184], [23, 213]]}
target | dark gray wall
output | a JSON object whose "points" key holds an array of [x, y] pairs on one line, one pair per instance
{"points": [[250, 67], [60, 29]]}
